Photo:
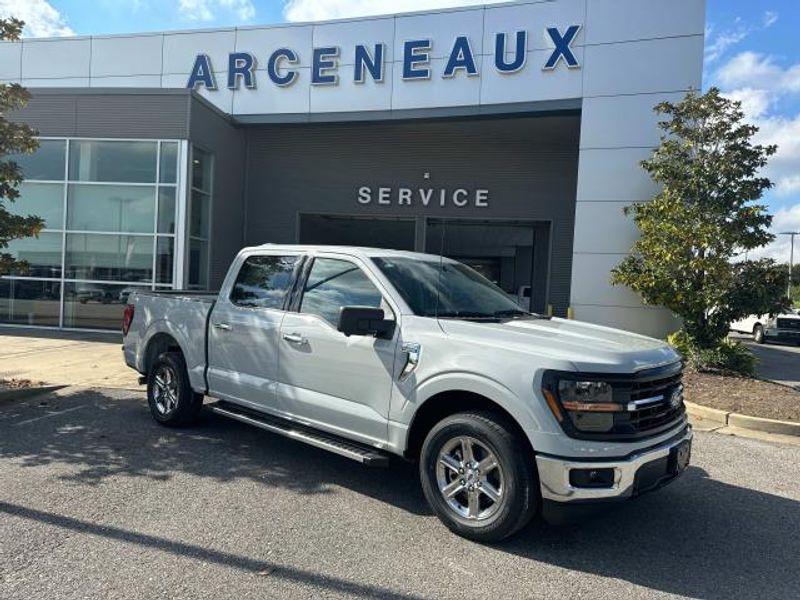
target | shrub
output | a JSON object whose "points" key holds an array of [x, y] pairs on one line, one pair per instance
{"points": [[727, 357]]}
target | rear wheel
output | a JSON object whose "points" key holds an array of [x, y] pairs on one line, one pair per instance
{"points": [[479, 476], [758, 334], [169, 394]]}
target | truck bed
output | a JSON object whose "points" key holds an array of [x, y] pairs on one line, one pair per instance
{"points": [[182, 315]]}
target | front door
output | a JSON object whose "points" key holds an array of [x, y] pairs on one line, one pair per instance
{"points": [[342, 384], [245, 329]]}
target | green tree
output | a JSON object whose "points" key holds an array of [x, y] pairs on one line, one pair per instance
{"points": [[15, 138], [706, 216]]}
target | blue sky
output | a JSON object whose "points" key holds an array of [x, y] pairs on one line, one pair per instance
{"points": [[752, 54]]}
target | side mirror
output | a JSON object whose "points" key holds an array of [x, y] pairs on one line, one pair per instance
{"points": [[365, 320]]}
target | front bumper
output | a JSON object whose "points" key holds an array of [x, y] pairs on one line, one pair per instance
{"points": [[783, 335], [656, 467]]}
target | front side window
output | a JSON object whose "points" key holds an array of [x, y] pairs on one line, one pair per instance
{"points": [[263, 281], [335, 283]]}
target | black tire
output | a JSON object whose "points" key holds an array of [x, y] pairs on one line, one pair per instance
{"points": [[758, 333], [186, 405], [520, 499]]}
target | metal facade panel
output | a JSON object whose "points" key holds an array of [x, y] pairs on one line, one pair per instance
{"points": [[214, 133], [102, 113], [528, 164]]}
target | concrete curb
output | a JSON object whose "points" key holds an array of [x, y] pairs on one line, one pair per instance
{"points": [[23, 393], [732, 419]]}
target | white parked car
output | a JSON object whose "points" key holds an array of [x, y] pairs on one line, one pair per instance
{"points": [[373, 353], [780, 328]]}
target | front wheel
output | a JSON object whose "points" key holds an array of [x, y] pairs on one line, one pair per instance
{"points": [[172, 400], [479, 476], [758, 334]]}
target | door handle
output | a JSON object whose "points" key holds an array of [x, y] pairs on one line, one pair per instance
{"points": [[294, 338], [222, 326]]}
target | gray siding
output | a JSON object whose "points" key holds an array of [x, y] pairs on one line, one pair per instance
{"points": [[529, 164], [212, 131], [113, 113]]}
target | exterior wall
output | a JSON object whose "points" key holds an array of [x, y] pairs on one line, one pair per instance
{"points": [[214, 133], [528, 164], [130, 113], [637, 54]]}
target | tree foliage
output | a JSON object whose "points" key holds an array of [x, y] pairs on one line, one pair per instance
{"points": [[15, 138], [706, 217]]}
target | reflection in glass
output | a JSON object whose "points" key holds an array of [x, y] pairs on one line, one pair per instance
{"points": [[45, 200], [109, 257], [201, 170], [165, 251], [200, 205], [111, 208], [118, 161], [42, 255], [168, 170], [198, 263], [166, 209], [47, 163], [26, 302], [95, 305]]}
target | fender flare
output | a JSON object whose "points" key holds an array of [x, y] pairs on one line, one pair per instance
{"points": [[462, 381]]}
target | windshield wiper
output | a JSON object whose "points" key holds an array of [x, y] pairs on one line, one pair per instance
{"points": [[467, 315], [515, 312]]}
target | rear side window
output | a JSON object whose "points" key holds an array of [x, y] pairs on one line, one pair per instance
{"points": [[335, 283], [263, 281]]}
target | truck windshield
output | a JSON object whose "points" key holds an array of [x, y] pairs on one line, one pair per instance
{"points": [[447, 289]]}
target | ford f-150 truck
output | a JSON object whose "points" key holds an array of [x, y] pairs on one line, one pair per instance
{"points": [[370, 353]]}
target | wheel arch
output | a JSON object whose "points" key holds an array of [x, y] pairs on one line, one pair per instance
{"points": [[448, 402], [158, 342]]}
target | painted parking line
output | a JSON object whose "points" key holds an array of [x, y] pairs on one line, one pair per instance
{"points": [[51, 414]]}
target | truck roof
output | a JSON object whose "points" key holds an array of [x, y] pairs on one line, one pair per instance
{"points": [[360, 251]]}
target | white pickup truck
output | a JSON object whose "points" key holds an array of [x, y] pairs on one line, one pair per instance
{"points": [[371, 353]]}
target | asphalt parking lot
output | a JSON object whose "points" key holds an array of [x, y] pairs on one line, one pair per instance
{"points": [[98, 501]]}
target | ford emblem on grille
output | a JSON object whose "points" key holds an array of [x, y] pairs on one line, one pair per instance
{"points": [[676, 398]]}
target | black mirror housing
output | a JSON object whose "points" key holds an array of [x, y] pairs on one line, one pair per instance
{"points": [[365, 320]]}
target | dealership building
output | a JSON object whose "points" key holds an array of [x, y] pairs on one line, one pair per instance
{"points": [[507, 136]]}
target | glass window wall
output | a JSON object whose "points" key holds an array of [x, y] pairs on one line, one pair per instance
{"points": [[109, 208], [200, 217]]}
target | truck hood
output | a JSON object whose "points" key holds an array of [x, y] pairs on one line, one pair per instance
{"points": [[588, 347]]}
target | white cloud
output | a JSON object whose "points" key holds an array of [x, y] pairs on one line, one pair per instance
{"points": [[320, 10], [716, 46], [786, 219], [770, 17], [41, 19], [755, 102], [752, 69], [206, 10]]}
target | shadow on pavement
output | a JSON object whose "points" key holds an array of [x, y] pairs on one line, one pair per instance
{"points": [[698, 537], [203, 554]]}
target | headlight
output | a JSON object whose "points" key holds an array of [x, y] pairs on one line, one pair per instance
{"points": [[589, 405], [587, 395]]}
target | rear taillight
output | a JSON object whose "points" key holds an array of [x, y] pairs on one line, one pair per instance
{"points": [[127, 319]]}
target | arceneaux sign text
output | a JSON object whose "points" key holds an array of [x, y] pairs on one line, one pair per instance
{"points": [[370, 61]]}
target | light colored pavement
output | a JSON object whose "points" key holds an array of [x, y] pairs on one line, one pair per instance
{"points": [[65, 358], [776, 362], [96, 500]]}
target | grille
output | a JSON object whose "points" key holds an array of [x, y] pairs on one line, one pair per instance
{"points": [[655, 412], [789, 324]]}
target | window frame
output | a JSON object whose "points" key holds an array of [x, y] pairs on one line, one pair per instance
{"points": [[296, 270], [299, 291], [176, 271]]}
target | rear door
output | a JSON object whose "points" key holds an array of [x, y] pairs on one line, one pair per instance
{"points": [[342, 384], [245, 329]]}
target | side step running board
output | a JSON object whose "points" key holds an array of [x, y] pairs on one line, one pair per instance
{"points": [[358, 452]]}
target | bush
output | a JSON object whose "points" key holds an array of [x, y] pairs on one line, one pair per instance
{"points": [[727, 357]]}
